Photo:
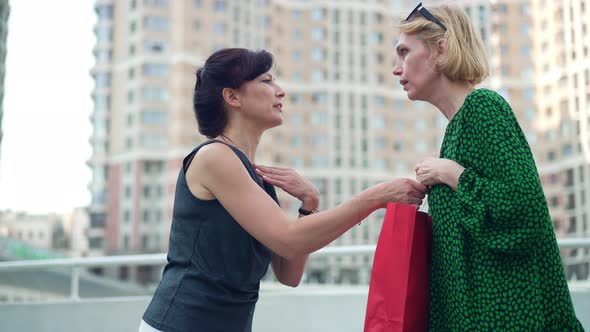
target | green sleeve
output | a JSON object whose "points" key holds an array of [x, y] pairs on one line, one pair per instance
{"points": [[500, 189]]}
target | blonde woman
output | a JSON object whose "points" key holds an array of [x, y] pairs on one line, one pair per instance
{"points": [[495, 261]]}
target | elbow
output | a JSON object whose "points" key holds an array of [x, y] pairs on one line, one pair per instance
{"points": [[290, 253], [291, 283], [290, 248]]}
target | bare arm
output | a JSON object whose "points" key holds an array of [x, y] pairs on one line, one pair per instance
{"points": [[218, 169], [289, 271]]}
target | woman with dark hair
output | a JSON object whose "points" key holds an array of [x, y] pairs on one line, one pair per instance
{"points": [[227, 226]]}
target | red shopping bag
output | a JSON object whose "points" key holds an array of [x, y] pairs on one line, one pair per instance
{"points": [[400, 279]]}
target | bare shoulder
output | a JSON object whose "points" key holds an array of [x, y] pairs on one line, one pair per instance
{"points": [[213, 164], [214, 155]]}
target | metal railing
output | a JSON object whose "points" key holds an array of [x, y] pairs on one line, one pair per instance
{"points": [[75, 265]]}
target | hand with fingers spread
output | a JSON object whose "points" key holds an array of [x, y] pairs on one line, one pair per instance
{"points": [[433, 171], [401, 190], [291, 182]]}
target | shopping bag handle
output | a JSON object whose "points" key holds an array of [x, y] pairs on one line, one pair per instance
{"points": [[424, 206]]}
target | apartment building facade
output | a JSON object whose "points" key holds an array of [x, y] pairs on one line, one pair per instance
{"points": [[348, 123], [4, 14]]}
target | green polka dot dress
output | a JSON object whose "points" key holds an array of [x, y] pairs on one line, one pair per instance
{"points": [[495, 260]]}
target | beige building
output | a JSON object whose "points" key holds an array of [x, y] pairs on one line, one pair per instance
{"points": [[348, 123], [52, 235], [4, 13], [76, 225], [42, 231]]}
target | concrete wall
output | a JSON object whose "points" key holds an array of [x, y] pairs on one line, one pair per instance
{"points": [[298, 310]]}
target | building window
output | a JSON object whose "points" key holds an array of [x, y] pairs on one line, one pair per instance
{"points": [[296, 99], [317, 14], [376, 38], [103, 80], [319, 140], [317, 34], [318, 98], [153, 117], [381, 164], [379, 101], [219, 5], [526, 73], [130, 97], [319, 118], [154, 46], [218, 28], [296, 141], [156, 23], [155, 70], [144, 241], [152, 93], [317, 75], [400, 167], [319, 161], [378, 121], [104, 56], [104, 12], [421, 147], [380, 142], [104, 34], [146, 216], [296, 119], [157, 3], [317, 54], [126, 216], [153, 140], [524, 29]]}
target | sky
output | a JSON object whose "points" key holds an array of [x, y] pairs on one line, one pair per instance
{"points": [[47, 104]]}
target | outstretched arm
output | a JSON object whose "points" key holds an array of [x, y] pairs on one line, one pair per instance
{"points": [[217, 169]]}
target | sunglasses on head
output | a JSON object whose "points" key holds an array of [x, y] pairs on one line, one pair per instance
{"points": [[427, 15]]}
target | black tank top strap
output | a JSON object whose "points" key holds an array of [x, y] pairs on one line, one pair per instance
{"points": [[245, 161]]}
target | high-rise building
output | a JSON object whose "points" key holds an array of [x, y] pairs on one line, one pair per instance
{"points": [[547, 58], [348, 124], [4, 13]]}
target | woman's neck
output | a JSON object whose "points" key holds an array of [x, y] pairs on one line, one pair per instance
{"points": [[451, 97], [241, 140]]}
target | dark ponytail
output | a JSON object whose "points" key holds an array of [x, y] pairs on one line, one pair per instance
{"points": [[226, 68]]}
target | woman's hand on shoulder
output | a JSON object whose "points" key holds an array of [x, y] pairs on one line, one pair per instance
{"points": [[291, 182]]}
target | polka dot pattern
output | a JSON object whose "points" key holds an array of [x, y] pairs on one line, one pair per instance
{"points": [[495, 260]]}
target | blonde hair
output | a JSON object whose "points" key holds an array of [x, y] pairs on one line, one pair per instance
{"points": [[465, 58]]}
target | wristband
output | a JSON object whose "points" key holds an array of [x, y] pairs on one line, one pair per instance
{"points": [[305, 212]]}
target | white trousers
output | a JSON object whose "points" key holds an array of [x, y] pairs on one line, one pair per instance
{"points": [[145, 327]]}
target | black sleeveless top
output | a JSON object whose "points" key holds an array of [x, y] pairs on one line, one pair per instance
{"points": [[212, 277]]}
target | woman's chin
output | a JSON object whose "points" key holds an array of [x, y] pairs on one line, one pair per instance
{"points": [[275, 123]]}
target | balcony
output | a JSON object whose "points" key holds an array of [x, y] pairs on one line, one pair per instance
{"points": [[65, 298]]}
